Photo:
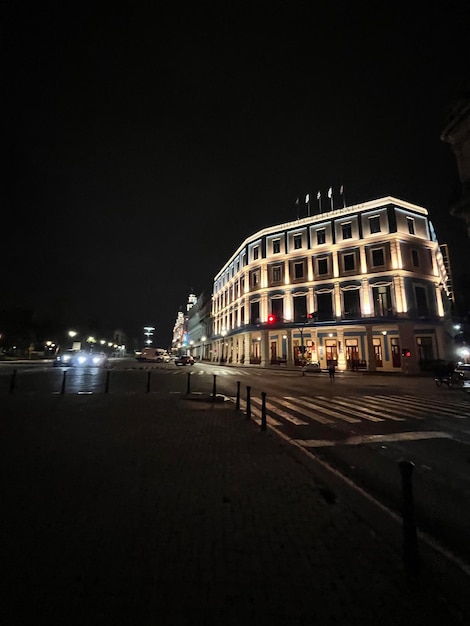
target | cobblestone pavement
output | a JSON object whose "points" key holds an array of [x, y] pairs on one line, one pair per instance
{"points": [[165, 510]]}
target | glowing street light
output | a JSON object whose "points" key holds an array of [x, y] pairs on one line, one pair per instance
{"points": [[148, 332]]}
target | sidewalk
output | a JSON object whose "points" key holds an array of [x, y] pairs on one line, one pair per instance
{"points": [[139, 510]]}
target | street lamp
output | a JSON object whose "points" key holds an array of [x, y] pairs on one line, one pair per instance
{"points": [[203, 339], [148, 332]]}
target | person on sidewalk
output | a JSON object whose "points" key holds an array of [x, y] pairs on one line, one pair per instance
{"points": [[331, 370]]}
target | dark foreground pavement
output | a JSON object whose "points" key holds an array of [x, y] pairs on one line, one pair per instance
{"points": [[162, 510]]}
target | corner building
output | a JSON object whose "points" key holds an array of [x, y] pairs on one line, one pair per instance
{"points": [[364, 286]]}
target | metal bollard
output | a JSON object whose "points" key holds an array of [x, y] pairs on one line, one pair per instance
{"points": [[263, 410], [237, 403], [410, 539], [148, 381], [188, 384], [106, 386], [248, 402], [13, 382], [64, 378], [213, 387]]}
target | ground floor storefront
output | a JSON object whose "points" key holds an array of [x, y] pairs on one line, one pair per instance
{"points": [[399, 346]]}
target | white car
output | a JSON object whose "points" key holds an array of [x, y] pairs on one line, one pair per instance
{"points": [[464, 369]]}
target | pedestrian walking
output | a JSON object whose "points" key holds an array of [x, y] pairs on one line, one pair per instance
{"points": [[331, 370]]}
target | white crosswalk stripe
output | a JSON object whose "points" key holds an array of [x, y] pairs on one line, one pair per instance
{"points": [[304, 410]]}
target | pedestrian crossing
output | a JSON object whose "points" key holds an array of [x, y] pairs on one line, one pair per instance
{"points": [[307, 410]]}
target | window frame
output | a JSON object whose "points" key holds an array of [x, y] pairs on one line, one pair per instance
{"points": [[374, 220]]}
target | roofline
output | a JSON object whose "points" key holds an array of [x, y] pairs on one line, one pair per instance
{"points": [[320, 217]]}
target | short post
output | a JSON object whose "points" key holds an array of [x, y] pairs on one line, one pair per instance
{"points": [[64, 378], [188, 384], [13, 382], [106, 386], [237, 403], [410, 539], [213, 386], [263, 410], [148, 381], [248, 402]]}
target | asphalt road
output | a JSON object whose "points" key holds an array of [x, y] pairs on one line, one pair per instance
{"points": [[361, 425]]}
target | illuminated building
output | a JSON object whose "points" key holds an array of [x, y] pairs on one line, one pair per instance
{"points": [[364, 286]]}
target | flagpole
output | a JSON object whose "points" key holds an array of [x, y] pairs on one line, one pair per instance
{"points": [[319, 201], [297, 205], [341, 191], [330, 196], [307, 201]]}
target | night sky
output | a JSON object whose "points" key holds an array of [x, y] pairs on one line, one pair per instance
{"points": [[142, 145]]}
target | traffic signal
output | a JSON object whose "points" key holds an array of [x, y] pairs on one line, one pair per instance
{"points": [[406, 352], [271, 318]]}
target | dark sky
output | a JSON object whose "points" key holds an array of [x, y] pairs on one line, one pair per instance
{"points": [[143, 145]]}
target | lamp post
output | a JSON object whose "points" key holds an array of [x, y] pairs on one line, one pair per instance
{"points": [[148, 332], [203, 339]]}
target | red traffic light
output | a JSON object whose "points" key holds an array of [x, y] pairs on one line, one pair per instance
{"points": [[271, 318]]}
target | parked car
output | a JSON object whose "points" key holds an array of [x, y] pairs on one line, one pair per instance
{"points": [[313, 366], [464, 370], [65, 358], [185, 359]]}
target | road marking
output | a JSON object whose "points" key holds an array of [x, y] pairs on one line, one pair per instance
{"points": [[254, 411], [307, 413], [335, 414], [362, 439], [360, 414], [280, 413]]}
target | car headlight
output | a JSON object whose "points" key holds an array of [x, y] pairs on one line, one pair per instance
{"points": [[66, 358], [82, 359], [96, 360]]}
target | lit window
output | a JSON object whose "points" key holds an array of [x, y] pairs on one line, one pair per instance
{"points": [[297, 242], [374, 224], [347, 231], [276, 246]]}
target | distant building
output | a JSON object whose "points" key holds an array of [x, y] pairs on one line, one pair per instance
{"points": [[457, 134], [363, 286]]}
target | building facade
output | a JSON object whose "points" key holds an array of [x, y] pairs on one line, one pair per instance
{"points": [[364, 286]]}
